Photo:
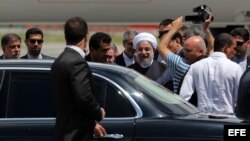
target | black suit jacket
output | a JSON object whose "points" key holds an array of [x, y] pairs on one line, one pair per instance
{"points": [[153, 72], [76, 107], [45, 57], [88, 58], [119, 60]]}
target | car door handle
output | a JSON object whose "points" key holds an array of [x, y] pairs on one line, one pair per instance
{"points": [[110, 136]]}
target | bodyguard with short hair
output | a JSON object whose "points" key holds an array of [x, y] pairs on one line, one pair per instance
{"points": [[34, 42]]}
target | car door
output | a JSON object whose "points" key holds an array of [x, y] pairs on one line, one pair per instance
{"points": [[29, 112], [120, 113]]}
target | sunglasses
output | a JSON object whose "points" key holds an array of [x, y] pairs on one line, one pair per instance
{"points": [[33, 41], [239, 44]]}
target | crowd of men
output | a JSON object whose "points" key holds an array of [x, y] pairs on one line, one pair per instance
{"points": [[203, 70], [11, 45]]}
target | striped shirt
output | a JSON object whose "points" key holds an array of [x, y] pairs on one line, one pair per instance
{"points": [[178, 69]]}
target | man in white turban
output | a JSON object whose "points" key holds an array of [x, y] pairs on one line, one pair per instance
{"points": [[145, 45]]}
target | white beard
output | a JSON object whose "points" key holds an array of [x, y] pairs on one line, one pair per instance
{"points": [[144, 62]]}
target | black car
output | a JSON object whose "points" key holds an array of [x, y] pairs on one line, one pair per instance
{"points": [[136, 108]]}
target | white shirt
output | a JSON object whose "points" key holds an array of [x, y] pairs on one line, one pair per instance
{"points": [[128, 61], [35, 57], [165, 77], [160, 59], [77, 49], [215, 80], [241, 61]]}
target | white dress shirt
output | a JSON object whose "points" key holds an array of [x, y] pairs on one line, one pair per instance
{"points": [[215, 80], [39, 56], [128, 61], [241, 61], [77, 49], [165, 77]]}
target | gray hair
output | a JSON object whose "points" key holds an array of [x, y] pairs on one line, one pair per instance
{"points": [[9, 37], [128, 34]]}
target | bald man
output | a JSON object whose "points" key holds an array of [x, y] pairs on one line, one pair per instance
{"points": [[194, 50], [215, 79]]}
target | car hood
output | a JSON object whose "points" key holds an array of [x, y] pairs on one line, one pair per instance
{"points": [[223, 119], [191, 127]]}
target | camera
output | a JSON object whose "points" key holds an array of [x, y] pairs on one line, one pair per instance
{"points": [[203, 14]]}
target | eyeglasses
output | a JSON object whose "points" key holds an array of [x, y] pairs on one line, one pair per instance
{"points": [[33, 41], [239, 44]]}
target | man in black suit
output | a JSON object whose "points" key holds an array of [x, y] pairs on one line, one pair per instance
{"points": [[77, 109], [127, 57], [34, 43]]}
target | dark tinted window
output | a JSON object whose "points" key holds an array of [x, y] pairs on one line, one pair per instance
{"points": [[113, 101], [3, 87], [30, 95], [161, 97]]}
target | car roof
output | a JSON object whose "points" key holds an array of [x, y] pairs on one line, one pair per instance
{"points": [[47, 64]]}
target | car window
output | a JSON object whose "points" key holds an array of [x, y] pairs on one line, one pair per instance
{"points": [[113, 101], [2, 93], [30, 95], [163, 98]]}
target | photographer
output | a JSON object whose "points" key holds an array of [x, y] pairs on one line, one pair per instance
{"points": [[194, 50], [191, 54], [216, 89]]}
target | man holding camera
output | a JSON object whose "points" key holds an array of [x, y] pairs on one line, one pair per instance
{"points": [[216, 88], [177, 41], [194, 50]]}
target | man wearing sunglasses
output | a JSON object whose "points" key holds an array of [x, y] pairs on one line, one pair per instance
{"points": [[34, 43], [241, 36]]}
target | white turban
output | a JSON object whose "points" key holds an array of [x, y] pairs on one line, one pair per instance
{"points": [[144, 37]]}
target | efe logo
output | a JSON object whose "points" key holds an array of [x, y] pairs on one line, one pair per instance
{"points": [[236, 132]]}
